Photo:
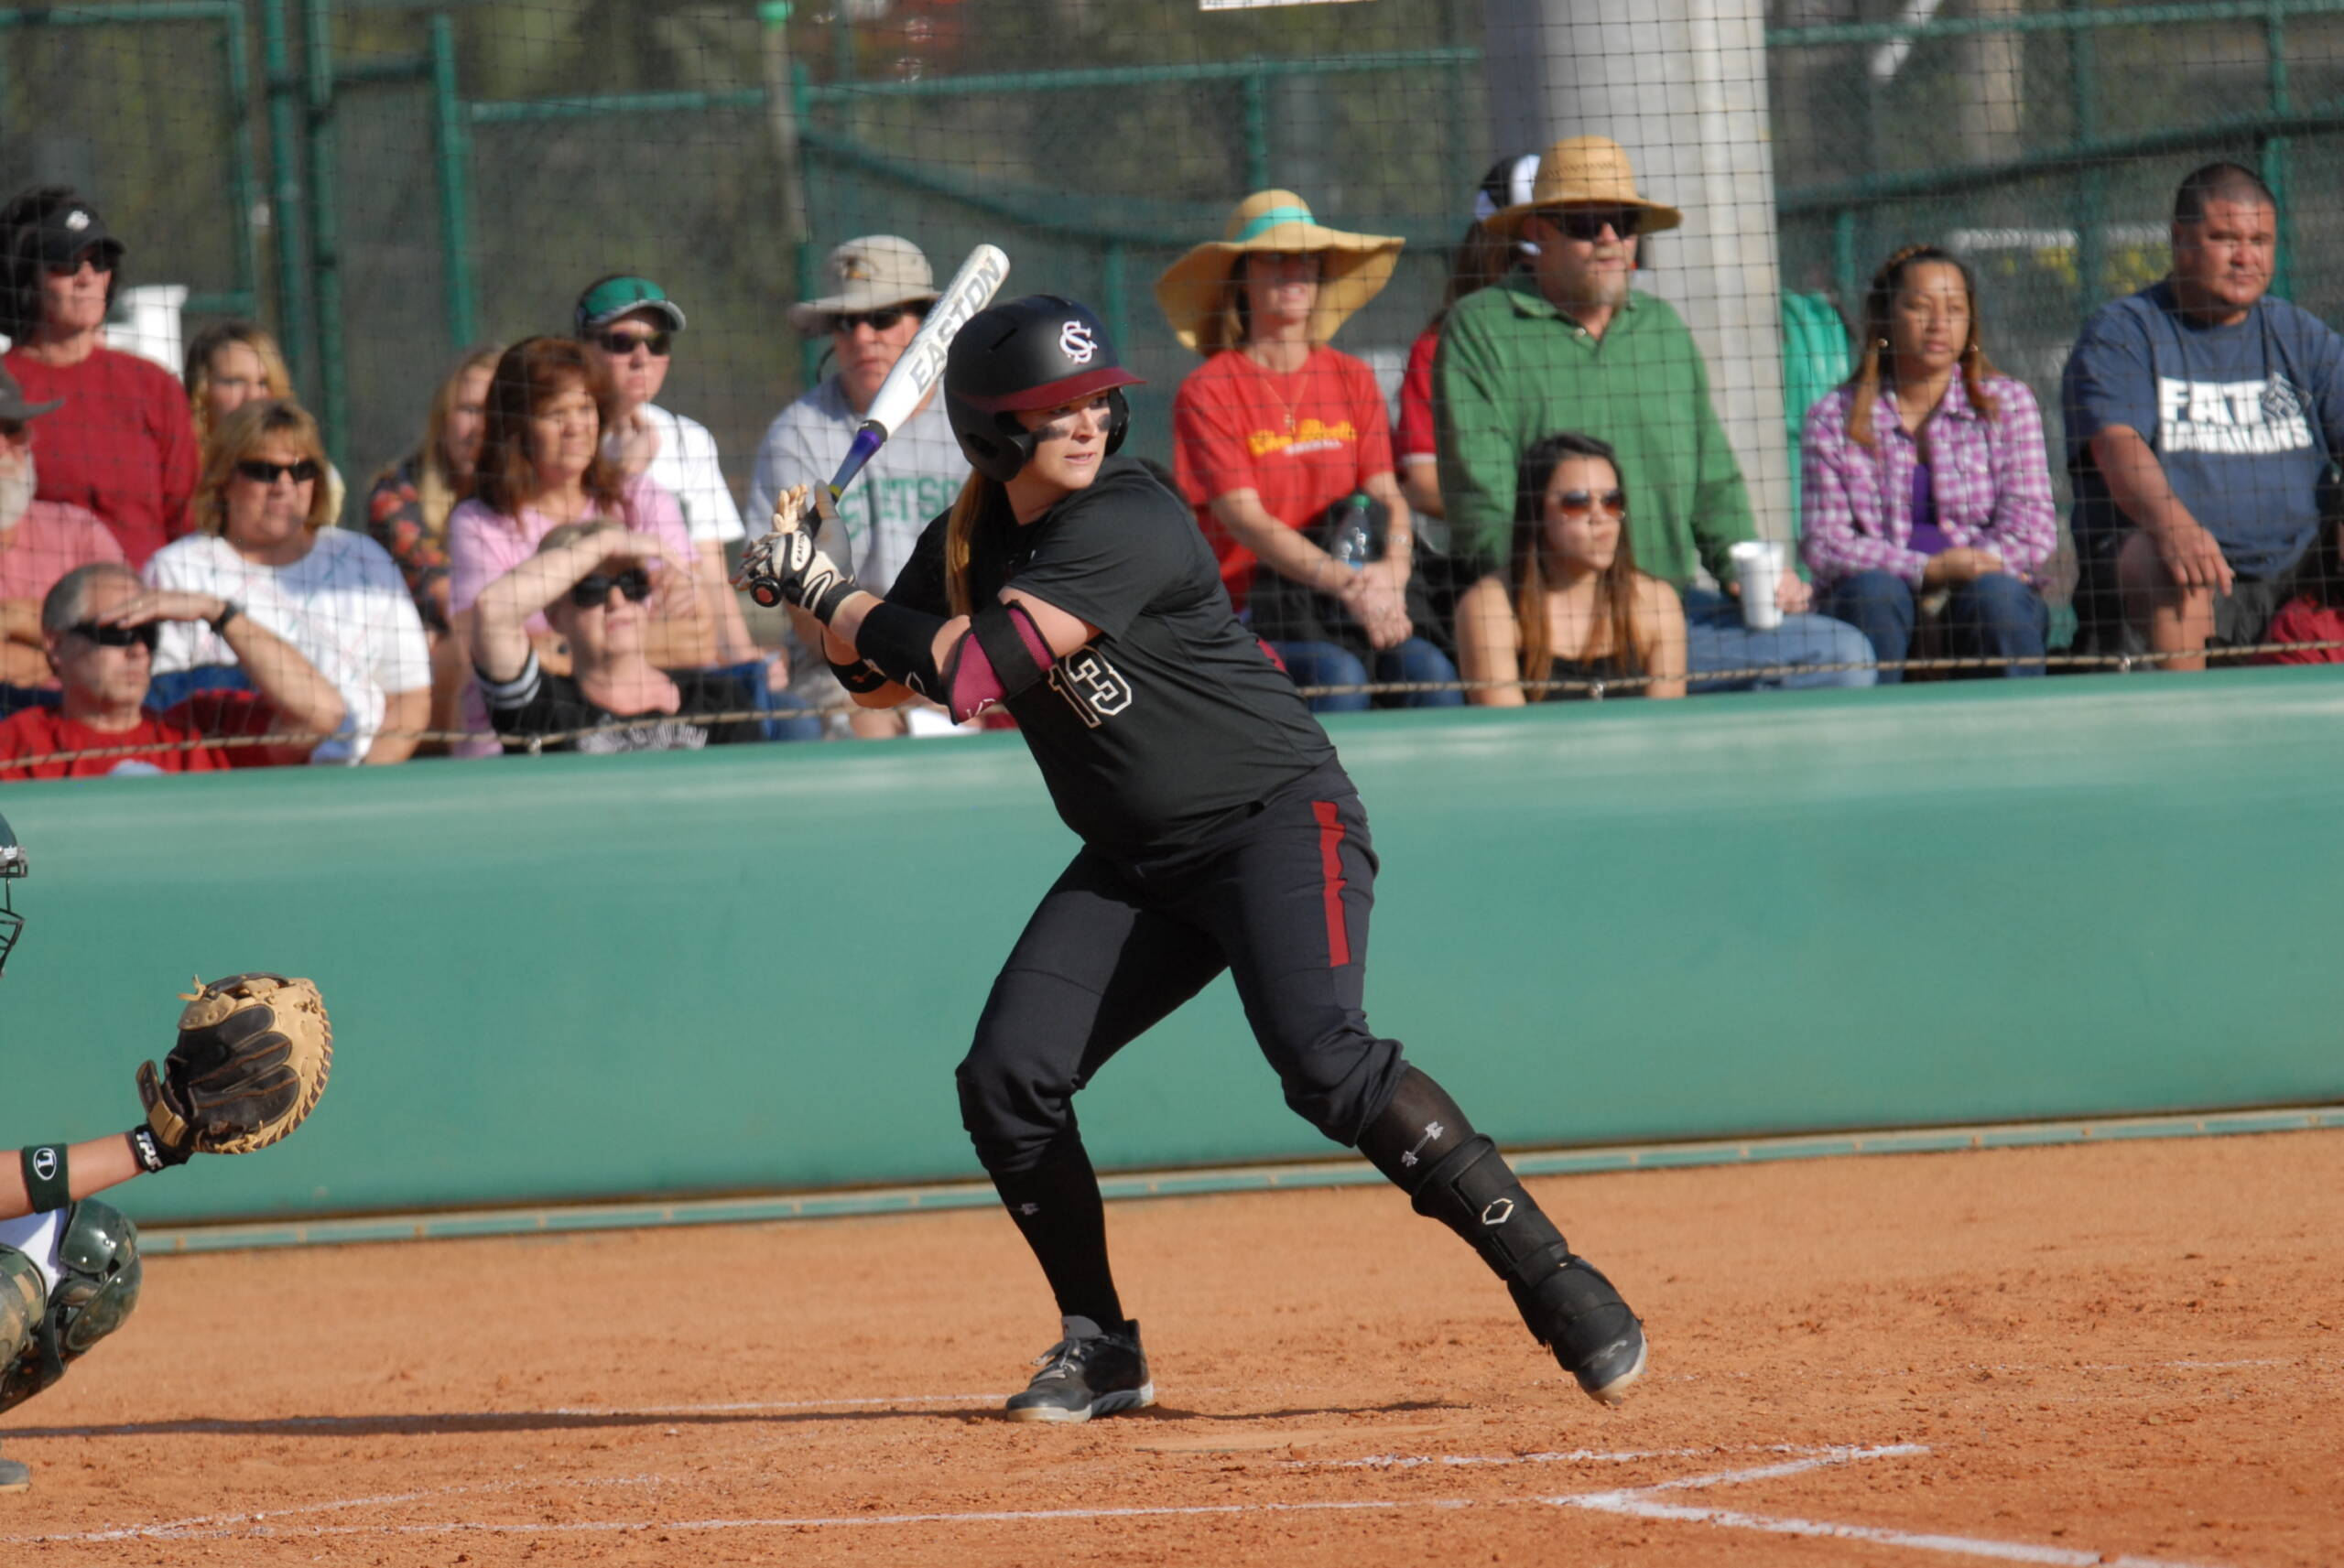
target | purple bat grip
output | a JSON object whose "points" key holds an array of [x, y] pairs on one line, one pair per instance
{"points": [[867, 442]]}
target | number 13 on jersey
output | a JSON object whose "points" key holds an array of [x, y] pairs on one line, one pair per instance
{"points": [[1094, 688]]}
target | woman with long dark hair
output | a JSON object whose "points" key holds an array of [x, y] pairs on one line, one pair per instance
{"points": [[1925, 491], [1220, 832], [1572, 609]]}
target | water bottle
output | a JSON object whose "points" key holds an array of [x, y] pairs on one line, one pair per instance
{"points": [[1353, 541]]}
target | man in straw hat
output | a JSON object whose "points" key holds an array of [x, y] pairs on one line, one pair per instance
{"points": [[1566, 344], [1276, 427], [880, 287]]}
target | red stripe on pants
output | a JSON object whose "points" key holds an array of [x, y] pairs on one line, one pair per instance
{"points": [[1330, 867]]}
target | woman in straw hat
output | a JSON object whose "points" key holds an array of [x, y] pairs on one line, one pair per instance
{"points": [[1276, 432]]}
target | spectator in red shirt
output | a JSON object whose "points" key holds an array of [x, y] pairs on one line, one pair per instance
{"points": [[1479, 260], [2313, 612], [123, 445], [40, 541], [100, 624], [1276, 428]]}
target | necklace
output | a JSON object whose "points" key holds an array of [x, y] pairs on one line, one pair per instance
{"points": [[1270, 379]]}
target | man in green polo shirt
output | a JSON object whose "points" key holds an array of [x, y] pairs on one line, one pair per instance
{"points": [[1567, 345]]}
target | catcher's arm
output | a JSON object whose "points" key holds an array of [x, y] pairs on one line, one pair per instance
{"points": [[90, 1167], [251, 1062]]}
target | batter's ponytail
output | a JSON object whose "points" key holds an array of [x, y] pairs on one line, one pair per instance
{"points": [[960, 534]]}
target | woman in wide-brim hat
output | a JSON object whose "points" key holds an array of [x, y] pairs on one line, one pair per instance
{"points": [[1275, 433]]}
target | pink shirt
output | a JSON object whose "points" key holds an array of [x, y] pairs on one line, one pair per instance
{"points": [[483, 545], [50, 539]]}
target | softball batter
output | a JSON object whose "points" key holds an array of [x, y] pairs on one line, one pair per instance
{"points": [[1218, 831]]}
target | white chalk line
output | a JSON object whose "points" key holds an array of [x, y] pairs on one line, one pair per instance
{"points": [[1570, 1456], [1634, 1507], [1640, 1502], [256, 1525], [2295, 1362], [606, 1527], [194, 1524], [199, 1425]]}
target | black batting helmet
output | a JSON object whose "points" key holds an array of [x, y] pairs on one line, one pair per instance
{"points": [[1034, 352]]}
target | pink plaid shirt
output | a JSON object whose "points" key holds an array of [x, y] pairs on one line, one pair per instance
{"points": [[1990, 478]]}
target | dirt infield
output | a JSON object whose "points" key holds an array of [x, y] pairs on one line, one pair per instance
{"points": [[2117, 1354]]}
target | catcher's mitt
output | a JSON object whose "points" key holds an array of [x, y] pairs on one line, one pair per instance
{"points": [[251, 1063]]}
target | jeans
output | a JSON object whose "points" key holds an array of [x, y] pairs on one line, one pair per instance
{"points": [[1715, 639], [1994, 616], [1324, 663]]}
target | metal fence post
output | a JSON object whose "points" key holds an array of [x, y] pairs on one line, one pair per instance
{"points": [[1257, 131], [2091, 181], [1112, 285], [325, 239], [1844, 275], [285, 182], [451, 150], [809, 349], [2275, 149]]}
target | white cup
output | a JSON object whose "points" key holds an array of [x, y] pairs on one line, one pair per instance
{"points": [[1758, 566]]}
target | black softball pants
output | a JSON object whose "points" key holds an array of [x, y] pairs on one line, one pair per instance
{"points": [[1281, 900]]}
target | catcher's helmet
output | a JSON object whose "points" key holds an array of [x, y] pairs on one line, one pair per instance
{"points": [[1034, 352], [12, 866]]}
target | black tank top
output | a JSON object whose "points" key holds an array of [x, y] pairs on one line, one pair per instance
{"points": [[1608, 669]]}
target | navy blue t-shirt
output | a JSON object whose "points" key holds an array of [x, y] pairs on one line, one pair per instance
{"points": [[2242, 417]]}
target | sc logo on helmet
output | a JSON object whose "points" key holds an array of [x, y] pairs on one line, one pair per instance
{"points": [[1077, 343]]}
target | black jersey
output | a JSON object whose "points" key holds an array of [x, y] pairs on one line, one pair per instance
{"points": [[1172, 721]]}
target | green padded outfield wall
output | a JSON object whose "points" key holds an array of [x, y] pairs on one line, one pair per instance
{"points": [[572, 978]]}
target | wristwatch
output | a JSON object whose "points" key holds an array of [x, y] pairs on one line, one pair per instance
{"points": [[219, 623]]}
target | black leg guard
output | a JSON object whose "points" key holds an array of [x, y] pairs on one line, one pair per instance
{"points": [[1423, 1142], [1057, 1210]]}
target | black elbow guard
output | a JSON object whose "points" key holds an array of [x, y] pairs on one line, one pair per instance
{"points": [[900, 643]]}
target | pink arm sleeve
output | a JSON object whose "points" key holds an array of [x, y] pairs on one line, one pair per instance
{"points": [[975, 684]]}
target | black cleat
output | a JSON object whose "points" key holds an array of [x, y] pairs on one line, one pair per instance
{"points": [[1092, 1372], [15, 1476], [1576, 1313]]}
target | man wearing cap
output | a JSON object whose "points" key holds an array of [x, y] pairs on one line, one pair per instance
{"points": [[1566, 344], [631, 324], [880, 287], [124, 447], [40, 541]]}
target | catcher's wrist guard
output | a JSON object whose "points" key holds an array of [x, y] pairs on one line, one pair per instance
{"points": [[46, 1183], [148, 1151]]}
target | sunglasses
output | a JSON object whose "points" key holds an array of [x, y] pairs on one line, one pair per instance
{"points": [[97, 261], [1580, 502], [877, 320], [259, 472], [594, 588], [118, 636], [618, 345], [1588, 223]]}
